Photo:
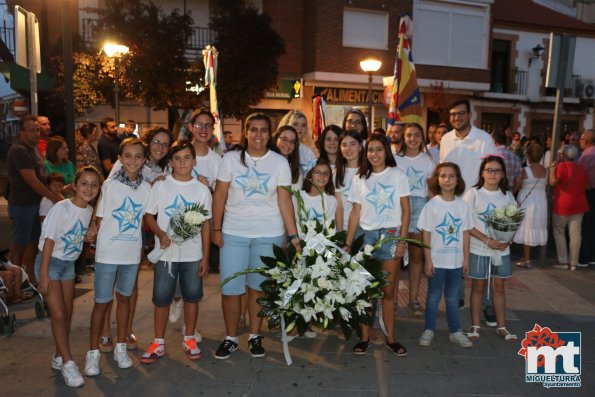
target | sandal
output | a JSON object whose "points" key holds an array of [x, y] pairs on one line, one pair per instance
{"points": [[361, 347], [508, 337], [473, 333], [396, 348], [130, 340]]}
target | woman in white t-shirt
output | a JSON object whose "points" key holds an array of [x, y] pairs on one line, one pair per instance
{"points": [[348, 163], [380, 197], [416, 163], [257, 211], [298, 120], [286, 142], [489, 259], [328, 144]]}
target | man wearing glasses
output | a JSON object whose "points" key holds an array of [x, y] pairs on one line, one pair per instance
{"points": [[465, 144]]}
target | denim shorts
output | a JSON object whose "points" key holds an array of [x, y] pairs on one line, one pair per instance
{"points": [[105, 279], [58, 270], [241, 253], [26, 227], [416, 204], [387, 250], [164, 285], [478, 267]]}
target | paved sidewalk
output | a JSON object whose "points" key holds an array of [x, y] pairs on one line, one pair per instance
{"points": [[324, 366]]}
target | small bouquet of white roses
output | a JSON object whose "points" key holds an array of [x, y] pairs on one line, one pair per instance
{"points": [[503, 222], [184, 224]]}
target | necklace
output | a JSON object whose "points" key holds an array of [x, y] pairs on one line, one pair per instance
{"points": [[255, 160]]}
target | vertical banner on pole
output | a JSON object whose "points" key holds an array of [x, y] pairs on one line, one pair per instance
{"points": [[210, 57], [318, 119], [405, 101]]}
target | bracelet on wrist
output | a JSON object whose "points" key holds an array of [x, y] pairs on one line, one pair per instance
{"points": [[291, 237]]}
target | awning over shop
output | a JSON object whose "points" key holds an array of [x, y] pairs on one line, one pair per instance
{"points": [[19, 77]]}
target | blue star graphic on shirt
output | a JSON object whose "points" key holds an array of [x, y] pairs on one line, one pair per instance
{"points": [[128, 215], [415, 178], [73, 239], [483, 216], [313, 214], [178, 202], [449, 228], [381, 197], [253, 182], [346, 189]]}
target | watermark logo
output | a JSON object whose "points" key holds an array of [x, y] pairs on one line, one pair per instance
{"points": [[552, 358]]}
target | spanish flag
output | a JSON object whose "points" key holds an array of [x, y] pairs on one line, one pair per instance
{"points": [[405, 101]]}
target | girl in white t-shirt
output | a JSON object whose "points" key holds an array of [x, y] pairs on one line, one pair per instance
{"points": [[201, 125], [328, 144], [297, 120], [416, 163], [119, 215], [348, 163], [61, 242], [286, 142], [445, 222], [319, 179], [380, 197], [490, 259]]}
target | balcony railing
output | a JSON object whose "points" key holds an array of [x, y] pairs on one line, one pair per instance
{"points": [[7, 36], [514, 82], [199, 38]]}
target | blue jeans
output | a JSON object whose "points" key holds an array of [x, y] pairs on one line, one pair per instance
{"points": [[448, 280]]}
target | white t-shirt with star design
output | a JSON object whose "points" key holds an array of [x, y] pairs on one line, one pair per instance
{"points": [[380, 198], [417, 170], [482, 203], [169, 195], [251, 209], [121, 209], [446, 221], [66, 224], [208, 166], [313, 207], [345, 189]]}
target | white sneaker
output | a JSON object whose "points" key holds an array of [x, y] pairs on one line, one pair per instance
{"points": [[426, 338], [121, 356], [175, 310], [92, 363], [71, 374], [582, 265], [460, 339], [57, 362], [197, 335]]}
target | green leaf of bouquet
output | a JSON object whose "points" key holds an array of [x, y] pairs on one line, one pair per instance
{"points": [[356, 245], [346, 328], [279, 253], [269, 262]]}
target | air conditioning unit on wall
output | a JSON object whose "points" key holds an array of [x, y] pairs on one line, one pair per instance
{"points": [[588, 91]]}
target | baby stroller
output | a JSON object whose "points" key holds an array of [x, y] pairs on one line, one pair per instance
{"points": [[8, 319]]}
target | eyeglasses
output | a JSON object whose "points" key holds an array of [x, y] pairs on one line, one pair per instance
{"points": [[159, 143], [203, 126], [455, 114], [287, 140], [321, 173], [493, 171], [354, 122]]}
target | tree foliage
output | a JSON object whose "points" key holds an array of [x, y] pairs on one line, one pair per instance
{"points": [[249, 50]]}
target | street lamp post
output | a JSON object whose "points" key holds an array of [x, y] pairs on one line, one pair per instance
{"points": [[370, 65], [116, 51]]}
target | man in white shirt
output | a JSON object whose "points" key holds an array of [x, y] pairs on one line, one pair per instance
{"points": [[465, 144]]}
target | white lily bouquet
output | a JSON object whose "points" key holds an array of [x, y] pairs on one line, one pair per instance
{"points": [[320, 286], [185, 224], [503, 222]]}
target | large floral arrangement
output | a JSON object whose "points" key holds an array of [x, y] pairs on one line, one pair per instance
{"points": [[503, 222]]}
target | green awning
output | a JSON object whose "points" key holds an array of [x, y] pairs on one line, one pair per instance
{"points": [[19, 77]]}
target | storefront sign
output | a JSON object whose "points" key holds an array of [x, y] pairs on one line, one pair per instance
{"points": [[286, 89], [334, 95]]}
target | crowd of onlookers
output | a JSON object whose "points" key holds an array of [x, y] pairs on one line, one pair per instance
{"points": [[372, 183]]}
